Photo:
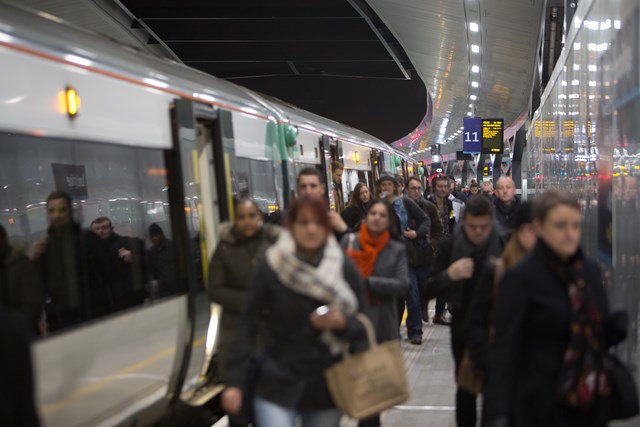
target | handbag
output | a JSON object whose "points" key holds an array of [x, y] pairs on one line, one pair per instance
{"points": [[469, 377], [367, 383], [624, 394]]}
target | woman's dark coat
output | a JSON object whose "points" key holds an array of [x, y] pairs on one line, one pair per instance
{"points": [[354, 215], [294, 357], [389, 281], [532, 335], [230, 272]]}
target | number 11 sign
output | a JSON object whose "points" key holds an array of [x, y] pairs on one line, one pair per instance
{"points": [[472, 135]]}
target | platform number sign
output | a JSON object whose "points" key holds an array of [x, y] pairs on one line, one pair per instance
{"points": [[472, 135]]}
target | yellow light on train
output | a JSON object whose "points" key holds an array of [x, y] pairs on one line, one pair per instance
{"points": [[356, 157], [72, 101]]}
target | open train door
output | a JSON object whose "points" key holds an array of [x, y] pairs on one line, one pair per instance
{"points": [[201, 133]]}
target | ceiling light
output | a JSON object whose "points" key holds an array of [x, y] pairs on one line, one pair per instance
{"points": [[475, 69], [473, 97], [474, 27], [470, 105], [593, 68], [469, 114], [617, 24], [576, 67], [475, 84], [475, 48]]}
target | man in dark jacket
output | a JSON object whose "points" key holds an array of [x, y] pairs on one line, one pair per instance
{"points": [[161, 263], [421, 254], [62, 261], [447, 214], [124, 260], [507, 204], [456, 272], [413, 225]]}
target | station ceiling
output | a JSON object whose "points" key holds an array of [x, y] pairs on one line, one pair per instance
{"points": [[400, 70]]}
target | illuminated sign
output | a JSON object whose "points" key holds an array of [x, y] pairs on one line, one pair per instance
{"points": [[492, 136], [472, 135]]}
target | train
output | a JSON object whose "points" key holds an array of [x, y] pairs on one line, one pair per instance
{"points": [[144, 140]]}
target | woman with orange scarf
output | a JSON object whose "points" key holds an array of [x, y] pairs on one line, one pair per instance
{"points": [[382, 261]]}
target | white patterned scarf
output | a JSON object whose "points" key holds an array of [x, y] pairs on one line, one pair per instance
{"points": [[324, 283]]}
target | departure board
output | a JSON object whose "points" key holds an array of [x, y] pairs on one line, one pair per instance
{"points": [[492, 136], [472, 135]]}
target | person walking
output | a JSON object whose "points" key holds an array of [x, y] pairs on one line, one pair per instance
{"points": [[553, 329], [422, 254], [358, 205], [480, 319], [312, 293], [448, 219], [382, 261], [456, 273], [412, 224], [243, 243]]}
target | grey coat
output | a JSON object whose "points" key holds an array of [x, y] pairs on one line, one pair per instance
{"points": [[389, 281], [230, 272]]}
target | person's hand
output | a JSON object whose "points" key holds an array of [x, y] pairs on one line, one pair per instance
{"points": [[410, 234], [461, 269], [38, 248], [231, 400], [337, 223], [333, 320], [124, 254]]}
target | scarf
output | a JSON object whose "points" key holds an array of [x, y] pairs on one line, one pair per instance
{"points": [[324, 283], [365, 258], [582, 376]]}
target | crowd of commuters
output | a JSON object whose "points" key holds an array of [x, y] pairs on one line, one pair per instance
{"points": [[473, 250], [527, 312]]}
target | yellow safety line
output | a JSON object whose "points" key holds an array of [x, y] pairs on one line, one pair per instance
{"points": [[92, 388]]}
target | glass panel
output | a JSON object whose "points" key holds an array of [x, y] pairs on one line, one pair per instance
{"points": [[96, 256]]}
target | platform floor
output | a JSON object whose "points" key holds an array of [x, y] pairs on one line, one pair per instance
{"points": [[432, 385]]}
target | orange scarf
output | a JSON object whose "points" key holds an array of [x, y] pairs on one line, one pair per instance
{"points": [[366, 257]]}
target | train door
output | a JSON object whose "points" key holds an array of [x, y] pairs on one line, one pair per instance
{"points": [[200, 135]]}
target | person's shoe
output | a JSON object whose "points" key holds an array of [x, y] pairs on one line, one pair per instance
{"points": [[417, 340], [440, 320]]}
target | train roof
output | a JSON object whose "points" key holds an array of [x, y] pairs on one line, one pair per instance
{"points": [[80, 47]]}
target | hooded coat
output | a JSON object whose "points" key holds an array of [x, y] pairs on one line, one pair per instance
{"points": [[230, 273]]}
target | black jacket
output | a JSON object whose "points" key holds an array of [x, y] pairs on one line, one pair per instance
{"points": [[506, 215], [354, 215], [457, 293], [422, 252], [17, 405], [21, 287], [532, 334], [295, 358]]}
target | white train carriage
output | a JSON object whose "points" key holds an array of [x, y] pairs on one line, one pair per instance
{"points": [[144, 140]]}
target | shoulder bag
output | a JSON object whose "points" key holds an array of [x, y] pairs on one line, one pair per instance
{"points": [[369, 382]]}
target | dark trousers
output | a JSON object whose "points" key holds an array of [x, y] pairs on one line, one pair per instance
{"points": [[465, 401]]}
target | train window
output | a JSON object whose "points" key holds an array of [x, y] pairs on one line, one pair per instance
{"points": [[85, 229]]}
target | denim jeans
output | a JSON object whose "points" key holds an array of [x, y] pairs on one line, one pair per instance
{"points": [[269, 414], [414, 303]]}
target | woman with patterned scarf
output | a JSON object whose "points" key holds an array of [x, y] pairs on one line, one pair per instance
{"points": [[382, 261], [552, 331], [309, 293]]}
